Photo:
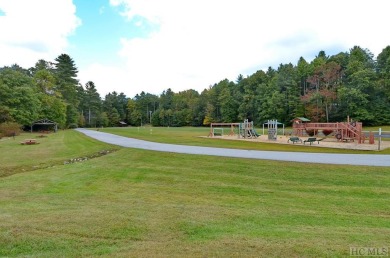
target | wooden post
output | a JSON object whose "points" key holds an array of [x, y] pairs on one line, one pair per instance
{"points": [[371, 139], [211, 134]]}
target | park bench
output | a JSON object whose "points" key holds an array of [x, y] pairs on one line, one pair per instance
{"points": [[311, 140], [294, 140], [29, 142]]}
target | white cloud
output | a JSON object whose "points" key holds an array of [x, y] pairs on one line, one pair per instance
{"points": [[113, 78], [194, 43], [33, 30], [200, 42]]}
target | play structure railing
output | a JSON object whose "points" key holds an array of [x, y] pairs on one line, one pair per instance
{"points": [[331, 126]]}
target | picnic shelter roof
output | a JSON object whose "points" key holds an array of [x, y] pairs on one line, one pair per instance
{"points": [[303, 119]]}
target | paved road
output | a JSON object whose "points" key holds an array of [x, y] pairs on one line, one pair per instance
{"points": [[323, 158]]}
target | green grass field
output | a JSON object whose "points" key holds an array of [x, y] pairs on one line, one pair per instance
{"points": [[136, 203], [198, 136], [52, 150]]}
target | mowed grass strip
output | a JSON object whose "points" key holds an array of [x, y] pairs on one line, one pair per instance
{"points": [[53, 149], [197, 136], [136, 203]]}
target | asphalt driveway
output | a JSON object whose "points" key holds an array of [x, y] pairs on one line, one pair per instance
{"points": [[323, 158]]}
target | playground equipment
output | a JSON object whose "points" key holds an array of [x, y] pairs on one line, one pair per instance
{"points": [[272, 130], [247, 130], [279, 124], [218, 131], [343, 131]]}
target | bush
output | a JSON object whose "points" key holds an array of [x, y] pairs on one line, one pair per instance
{"points": [[326, 132], [311, 132], [72, 126], [10, 129]]}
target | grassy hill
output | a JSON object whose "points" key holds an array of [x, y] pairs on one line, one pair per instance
{"points": [[62, 197]]}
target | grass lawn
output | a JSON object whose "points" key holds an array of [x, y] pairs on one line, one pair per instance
{"points": [[198, 136], [137, 203], [53, 149]]}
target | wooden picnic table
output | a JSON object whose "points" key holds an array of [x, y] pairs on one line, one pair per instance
{"points": [[29, 142]]}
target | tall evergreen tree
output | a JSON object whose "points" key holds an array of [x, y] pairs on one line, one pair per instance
{"points": [[66, 76], [91, 104]]}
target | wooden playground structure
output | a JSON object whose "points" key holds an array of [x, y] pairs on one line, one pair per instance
{"points": [[217, 129], [348, 135], [343, 131], [350, 131], [244, 130]]}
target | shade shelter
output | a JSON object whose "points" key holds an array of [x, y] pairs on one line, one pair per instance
{"points": [[122, 124], [46, 123]]}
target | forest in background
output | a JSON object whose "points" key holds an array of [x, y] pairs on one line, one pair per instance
{"points": [[327, 89]]}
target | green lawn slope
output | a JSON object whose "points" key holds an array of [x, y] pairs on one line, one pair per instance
{"points": [[136, 203]]}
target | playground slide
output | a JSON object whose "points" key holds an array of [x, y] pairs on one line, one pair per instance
{"points": [[253, 132]]}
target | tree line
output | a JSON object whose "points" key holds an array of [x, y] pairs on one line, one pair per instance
{"points": [[327, 89]]}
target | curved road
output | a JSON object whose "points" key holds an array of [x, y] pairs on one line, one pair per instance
{"points": [[323, 158]]}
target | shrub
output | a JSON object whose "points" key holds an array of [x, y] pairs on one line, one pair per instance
{"points": [[311, 132], [72, 126], [10, 129], [326, 132]]}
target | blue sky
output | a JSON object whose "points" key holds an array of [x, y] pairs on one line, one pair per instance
{"points": [[131, 46], [99, 32], [96, 39]]}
